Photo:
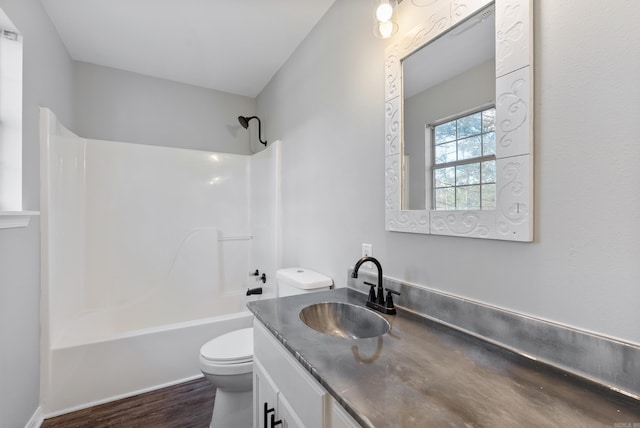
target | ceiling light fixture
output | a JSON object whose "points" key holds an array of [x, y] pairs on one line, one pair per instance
{"points": [[384, 18]]}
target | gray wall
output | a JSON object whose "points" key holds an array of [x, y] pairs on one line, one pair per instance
{"points": [[326, 104], [122, 106], [48, 75]]}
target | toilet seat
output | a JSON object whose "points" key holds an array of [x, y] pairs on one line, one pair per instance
{"points": [[228, 354]]}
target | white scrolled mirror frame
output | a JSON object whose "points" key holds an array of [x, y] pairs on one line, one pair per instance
{"points": [[422, 21]]}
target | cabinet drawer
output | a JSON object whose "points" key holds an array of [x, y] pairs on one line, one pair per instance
{"points": [[306, 396]]}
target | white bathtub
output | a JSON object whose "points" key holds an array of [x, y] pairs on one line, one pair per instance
{"points": [[114, 354]]}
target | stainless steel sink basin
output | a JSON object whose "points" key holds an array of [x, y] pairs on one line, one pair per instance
{"points": [[344, 320]]}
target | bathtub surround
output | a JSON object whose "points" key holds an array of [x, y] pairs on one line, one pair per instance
{"points": [[145, 248], [612, 363], [128, 220]]}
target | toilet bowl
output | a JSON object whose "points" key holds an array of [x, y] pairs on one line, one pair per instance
{"points": [[227, 361]]}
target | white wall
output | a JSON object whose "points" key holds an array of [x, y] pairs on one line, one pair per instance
{"points": [[118, 105], [47, 81], [326, 105]]}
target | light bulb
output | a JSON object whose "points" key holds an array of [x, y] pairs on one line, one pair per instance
{"points": [[386, 29], [384, 12]]}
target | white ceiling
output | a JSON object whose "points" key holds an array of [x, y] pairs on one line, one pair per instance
{"points": [[233, 46]]}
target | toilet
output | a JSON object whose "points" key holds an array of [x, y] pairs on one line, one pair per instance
{"points": [[227, 360]]}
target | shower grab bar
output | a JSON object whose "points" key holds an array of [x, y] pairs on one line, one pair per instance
{"points": [[235, 238]]}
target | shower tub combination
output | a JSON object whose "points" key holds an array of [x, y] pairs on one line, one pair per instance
{"points": [[145, 257]]}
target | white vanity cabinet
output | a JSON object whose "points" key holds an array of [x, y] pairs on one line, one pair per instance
{"points": [[285, 394]]}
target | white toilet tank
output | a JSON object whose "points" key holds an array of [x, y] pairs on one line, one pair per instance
{"points": [[298, 280]]}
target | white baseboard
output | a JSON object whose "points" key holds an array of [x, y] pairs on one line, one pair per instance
{"points": [[36, 419]]}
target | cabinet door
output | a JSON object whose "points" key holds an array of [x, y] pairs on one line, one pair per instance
{"points": [[268, 402], [340, 418], [265, 397], [284, 385], [286, 413], [302, 391]]}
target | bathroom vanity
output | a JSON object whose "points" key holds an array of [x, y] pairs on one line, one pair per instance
{"points": [[420, 373], [284, 391]]}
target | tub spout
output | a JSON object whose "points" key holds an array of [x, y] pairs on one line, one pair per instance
{"points": [[251, 291]]}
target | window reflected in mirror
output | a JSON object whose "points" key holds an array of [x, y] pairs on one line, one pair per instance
{"points": [[464, 162]]}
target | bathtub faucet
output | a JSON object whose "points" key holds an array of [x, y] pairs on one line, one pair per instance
{"points": [[262, 277], [251, 291]]}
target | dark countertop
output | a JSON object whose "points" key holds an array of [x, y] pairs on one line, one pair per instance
{"points": [[424, 374]]}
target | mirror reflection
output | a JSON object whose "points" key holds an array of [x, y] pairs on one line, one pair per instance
{"points": [[449, 119]]}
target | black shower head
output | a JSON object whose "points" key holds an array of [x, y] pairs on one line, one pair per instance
{"points": [[244, 122]]}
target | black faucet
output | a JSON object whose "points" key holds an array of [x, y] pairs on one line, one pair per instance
{"points": [[372, 302]]}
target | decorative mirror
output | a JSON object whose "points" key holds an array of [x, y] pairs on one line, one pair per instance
{"points": [[459, 119]]}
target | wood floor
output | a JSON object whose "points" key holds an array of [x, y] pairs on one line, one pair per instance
{"points": [[187, 405]]}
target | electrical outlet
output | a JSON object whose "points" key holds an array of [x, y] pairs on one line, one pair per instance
{"points": [[367, 251]]}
